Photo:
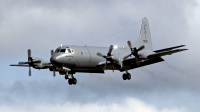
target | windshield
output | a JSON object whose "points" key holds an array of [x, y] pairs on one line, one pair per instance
{"points": [[57, 50], [67, 50], [62, 50]]}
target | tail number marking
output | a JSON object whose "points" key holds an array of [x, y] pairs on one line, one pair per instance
{"points": [[145, 41]]}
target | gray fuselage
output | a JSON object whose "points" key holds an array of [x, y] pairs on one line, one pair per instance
{"points": [[84, 58]]}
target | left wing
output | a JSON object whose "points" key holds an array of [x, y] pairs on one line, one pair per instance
{"points": [[152, 58], [167, 51]]}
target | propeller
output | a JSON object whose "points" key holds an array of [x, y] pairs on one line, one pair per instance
{"points": [[108, 57], [134, 52], [30, 61], [54, 73]]}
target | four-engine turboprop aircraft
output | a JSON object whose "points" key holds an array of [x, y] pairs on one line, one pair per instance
{"points": [[68, 59]]}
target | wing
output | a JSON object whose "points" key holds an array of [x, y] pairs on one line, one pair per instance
{"points": [[19, 65], [47, 65], [131, 62], [44, 66], [167, 51], [152, 58]]}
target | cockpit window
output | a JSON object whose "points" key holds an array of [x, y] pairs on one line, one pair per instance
{"points": [[67, 50], [62, 50], [57, 50]]}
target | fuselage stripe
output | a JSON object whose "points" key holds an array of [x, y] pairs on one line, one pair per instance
{"points": [[89, 54]]}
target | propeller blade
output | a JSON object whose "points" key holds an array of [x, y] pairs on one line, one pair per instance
{"points": [[110, 50], [140, 48], [52, 52], [36, 61], [101, 55], [125, 57], [54, 72], [129, 44], [29, 71], [21, 63], [29, 53], [30, 59]]}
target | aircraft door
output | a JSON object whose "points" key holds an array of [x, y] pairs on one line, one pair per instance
{"points": [[83, 59]]}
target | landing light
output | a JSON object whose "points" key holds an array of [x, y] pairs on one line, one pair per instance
{"points": [[115, 47]]}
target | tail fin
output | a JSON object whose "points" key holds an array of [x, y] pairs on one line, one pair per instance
{"points": [[145, 36]]}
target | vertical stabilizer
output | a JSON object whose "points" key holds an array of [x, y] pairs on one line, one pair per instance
{"points": [[145, 36]]}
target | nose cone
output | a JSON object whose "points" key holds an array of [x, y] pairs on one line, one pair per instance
{"points": [[56, 59]]}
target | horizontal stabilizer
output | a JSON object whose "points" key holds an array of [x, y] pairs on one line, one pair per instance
{"points": [[167, 49], [169, 52], [20, 65]]}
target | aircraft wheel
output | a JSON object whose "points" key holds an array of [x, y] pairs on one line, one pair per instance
{"points": [[74, 81], [70, 81], [66, 77], [128, 76], [124, 76]]}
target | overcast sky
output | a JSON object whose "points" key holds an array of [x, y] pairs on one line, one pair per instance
{"points": [[173, 85]]}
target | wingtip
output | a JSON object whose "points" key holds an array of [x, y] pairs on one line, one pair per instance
{"points": [[182, 45], [185, 49], [182, 49]]}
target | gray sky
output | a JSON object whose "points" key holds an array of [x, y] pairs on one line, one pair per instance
{"points": [[172, 85]]}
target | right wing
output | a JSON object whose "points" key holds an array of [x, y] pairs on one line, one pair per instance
{"points": [[45, 66]]}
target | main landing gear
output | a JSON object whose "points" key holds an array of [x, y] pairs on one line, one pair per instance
{"points": [[71, 79], [126, 76]]}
